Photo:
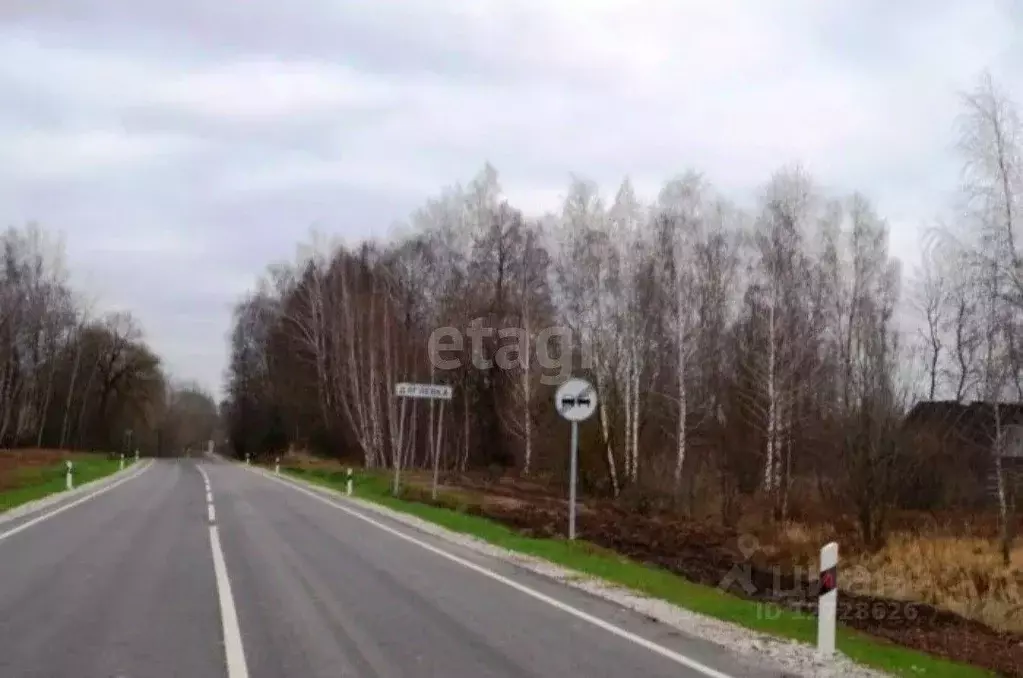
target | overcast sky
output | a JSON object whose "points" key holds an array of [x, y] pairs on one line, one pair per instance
{"points": [[182, 146]]}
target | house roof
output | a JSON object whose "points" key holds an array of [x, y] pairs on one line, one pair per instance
{"points": [[973, 422]]}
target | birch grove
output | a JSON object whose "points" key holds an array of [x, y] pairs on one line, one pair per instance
{"points": [[738, 350], [676, 308]]}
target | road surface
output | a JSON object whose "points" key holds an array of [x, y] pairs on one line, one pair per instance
{"points": [[144, 580]]}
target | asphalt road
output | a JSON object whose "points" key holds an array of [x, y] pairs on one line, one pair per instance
{"points": [[145, 581]]}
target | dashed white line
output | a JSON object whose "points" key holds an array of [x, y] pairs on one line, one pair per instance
{"points": [[57, 511], [234, 651], [553, 602]]}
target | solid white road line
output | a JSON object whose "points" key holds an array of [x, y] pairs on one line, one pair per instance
{"points": [[553, 602], [212, 513], [77, 502], [234, 652]]}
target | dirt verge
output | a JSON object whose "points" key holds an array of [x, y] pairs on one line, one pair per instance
{"points": [[13, 461]]}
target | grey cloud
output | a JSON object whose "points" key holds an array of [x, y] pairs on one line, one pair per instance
{"points": [[386, 37], [863, 93]]}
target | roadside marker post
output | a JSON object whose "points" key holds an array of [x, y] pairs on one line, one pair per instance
{"points": [[68, 480], [827, 601], [277, 466], [136, 455], [575, 400], [348, 481], [247, 462], [122, 461], [441, 392]]}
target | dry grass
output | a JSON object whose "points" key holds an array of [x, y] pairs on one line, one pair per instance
{"points": [[963, 575], [960, 574], [798, 543]]}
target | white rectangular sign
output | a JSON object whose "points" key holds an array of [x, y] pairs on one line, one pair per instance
{"points": [[438, 391]]}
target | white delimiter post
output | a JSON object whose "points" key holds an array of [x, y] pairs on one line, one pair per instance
{"points": [[67, 478], [122, 461], [277, 466], [827, 602], [348, 482]]}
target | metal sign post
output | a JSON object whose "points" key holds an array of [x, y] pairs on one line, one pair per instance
{"points": [[440, 392], [575, 400]]}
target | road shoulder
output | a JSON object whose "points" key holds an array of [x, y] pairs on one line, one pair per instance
{"points": [[30, 509]]}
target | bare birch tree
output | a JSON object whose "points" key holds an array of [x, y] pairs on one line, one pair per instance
{"points": [[588, 275], [991, 142]]}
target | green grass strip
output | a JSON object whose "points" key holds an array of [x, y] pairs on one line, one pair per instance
{"points": [[36, 482], [652, 581]]}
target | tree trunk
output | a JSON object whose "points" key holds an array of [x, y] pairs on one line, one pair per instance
{"points": [[634, 433], [772, 404], [627, 471], [46, 402], [436, 451], [70, 393], [527, 414], [683, 413], [612, 467], [465, 431]]}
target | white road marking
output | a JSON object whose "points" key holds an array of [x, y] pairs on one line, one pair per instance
{"points": [[77, 502], [553, 602], [234, 652]]}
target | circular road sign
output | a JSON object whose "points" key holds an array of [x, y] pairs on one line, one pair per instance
{"points": [[576, 399]]}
